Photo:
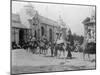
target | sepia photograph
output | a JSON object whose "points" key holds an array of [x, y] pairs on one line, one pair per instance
{"points": [[52, 37]]}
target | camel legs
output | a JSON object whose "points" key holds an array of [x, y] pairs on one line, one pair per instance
{"points": [[83, 56], [64, 53], [89, 57], [60, 53]]}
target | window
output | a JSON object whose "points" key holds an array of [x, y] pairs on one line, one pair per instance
{"points": [[42, 31]]}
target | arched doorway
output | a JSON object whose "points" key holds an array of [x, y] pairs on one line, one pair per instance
{"points": [[35, 34], [42, 31], [21, 36], [50, 34], [38, 33]]}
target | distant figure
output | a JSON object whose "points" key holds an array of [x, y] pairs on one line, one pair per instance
{"points": [[69, 55], [52, 47]]}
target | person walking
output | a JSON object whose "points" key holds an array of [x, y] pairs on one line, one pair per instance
{"points": [[69, 55]]}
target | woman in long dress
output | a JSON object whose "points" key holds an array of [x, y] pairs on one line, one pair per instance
{"points": [[69, 55]]}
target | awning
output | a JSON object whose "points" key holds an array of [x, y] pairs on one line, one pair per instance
{"points": [[60, 41], [19, 25], [91, 40]]}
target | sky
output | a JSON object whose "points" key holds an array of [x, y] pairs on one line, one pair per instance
{"points": [[72, 15]]}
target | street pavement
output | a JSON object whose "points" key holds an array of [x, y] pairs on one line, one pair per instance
{"points": [[26, 62]]}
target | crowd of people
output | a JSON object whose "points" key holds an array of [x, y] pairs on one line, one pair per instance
{"points": [[42, 46]]}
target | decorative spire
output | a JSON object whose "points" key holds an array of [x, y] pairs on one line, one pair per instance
{"points": [[61, 22], [30, 10]]}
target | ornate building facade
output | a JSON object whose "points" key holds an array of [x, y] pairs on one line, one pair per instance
{"points": [[42, 26], [90, 29], [30, 24], [19, 32]]}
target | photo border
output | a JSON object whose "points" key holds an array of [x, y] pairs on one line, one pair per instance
{"points": [[58, 4]]}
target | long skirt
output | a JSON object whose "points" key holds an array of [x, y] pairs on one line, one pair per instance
{"points": [[69, 54]]}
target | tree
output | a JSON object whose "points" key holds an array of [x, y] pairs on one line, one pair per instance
{"points": [[70, 37], [78, 38]]}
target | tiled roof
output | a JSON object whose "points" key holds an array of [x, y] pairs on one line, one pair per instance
{"points": [[47, 21], [15, 17], [16, 23], [44, 20]]}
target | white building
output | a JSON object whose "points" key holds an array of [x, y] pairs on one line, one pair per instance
{"points": [[90, 28], [43, 26], [18, 30]]}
